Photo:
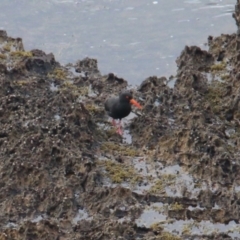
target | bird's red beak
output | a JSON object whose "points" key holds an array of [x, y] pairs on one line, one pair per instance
{"points": [[135, 103]]}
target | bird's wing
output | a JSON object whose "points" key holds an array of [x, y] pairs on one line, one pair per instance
{"points": [[109, 103]]}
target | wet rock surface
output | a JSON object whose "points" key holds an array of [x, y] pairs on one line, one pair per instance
{"points": [[66, 174]]}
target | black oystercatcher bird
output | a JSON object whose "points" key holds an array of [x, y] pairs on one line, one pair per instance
{"points": [[120, 107]]}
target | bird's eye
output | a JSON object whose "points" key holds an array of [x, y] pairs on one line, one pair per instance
{"points": [[127, 97]]}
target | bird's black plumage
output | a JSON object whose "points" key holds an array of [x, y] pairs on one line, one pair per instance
{"points": [[119, 107]]}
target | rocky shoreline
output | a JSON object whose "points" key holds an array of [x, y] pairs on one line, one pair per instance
{"points": [[66, 174]]}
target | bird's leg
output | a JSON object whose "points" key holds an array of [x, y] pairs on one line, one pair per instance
{"points": [[114, 122], [118, 125], [119, 129]]}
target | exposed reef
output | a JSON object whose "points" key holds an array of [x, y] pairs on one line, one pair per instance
{"points": [[66, 174]]}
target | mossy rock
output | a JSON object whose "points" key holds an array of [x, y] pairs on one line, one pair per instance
{"points": [[21, 54], [225, 77], [218, 67], [3, 56], [93, 108], [58, 73], [156, 227], [120, 149], [21, 82], [7, 47], [160, 184], [176, 206], [119, 173], [167, 236], [215, 94]]}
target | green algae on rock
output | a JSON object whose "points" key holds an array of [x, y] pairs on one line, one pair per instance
{"points": [[119, 173], [53, 140]]}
